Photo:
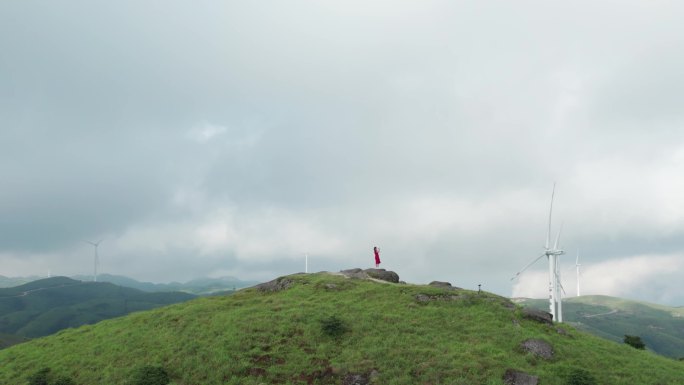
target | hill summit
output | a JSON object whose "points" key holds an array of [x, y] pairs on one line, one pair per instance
{"points": [[333, 328]]}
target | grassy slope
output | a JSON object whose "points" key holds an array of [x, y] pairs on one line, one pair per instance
{"points": [[660, 327], [264, 338]]}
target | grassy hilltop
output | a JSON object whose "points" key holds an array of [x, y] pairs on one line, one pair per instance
{"points": [[386, 334]]}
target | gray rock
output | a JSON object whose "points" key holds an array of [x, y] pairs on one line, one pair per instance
{"points": [[539, 348], [355, 379], [423, 298], [278, 284], [513, 377], [537, 315], [440, 284], [382, 274], [354, 273]]}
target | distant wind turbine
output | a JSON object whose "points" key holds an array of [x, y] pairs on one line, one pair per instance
{"points": [[97, 258], [552, 254], [306, 262]]}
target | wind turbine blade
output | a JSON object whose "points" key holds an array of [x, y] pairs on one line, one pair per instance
{"points": [[548, 234], [577, 260], [555, 245], [527, 266]]}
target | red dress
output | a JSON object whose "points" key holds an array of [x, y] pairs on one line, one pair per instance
{"points": [[377, 255]]}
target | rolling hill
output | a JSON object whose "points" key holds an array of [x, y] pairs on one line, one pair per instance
{"points": [[330, 329], [15, 281], [660, 327], [46, 306], [199, 286]]}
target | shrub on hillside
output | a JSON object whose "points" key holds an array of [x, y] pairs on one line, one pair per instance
{"points": [[333, 326], [150, 375], [64, 381], [635, 342], [41, 377], [580, 377]]}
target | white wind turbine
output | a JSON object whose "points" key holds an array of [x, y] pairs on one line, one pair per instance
{"points": [[551, 253], [97, 258]]}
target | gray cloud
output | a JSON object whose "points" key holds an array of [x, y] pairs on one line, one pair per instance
{"points": [[233, 138]]}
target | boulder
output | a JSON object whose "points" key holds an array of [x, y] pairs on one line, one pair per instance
{"points": [[381, 274], [440, 284], [278, 284], [513, 377], [444, 285], [354, 273], [539, 348], [537, 315], [355, 379]]}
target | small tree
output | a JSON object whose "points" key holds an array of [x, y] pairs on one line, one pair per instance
{"points": [[580, 377], [41, 377], [150, 375], [333, 326], [635, 342]]}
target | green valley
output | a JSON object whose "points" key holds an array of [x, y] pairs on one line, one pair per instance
{"points": [[660, 327], [46, 306]]}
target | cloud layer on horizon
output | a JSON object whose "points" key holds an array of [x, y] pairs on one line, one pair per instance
{"points": [[231, 139]]}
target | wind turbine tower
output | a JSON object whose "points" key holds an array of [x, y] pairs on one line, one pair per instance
{"points": [[552, 254], [97, 258]]}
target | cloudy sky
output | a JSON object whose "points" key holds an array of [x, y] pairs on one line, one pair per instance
{"points": [[213, 138]]}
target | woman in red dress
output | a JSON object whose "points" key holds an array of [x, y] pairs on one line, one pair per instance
{"points": [[376, 251]]}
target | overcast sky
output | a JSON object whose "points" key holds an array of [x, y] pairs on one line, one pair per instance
{"points": [[212, 138]]}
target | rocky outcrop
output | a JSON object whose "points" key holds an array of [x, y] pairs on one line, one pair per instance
{"points": [[277, 284], [537, 315], [444, 285], [513, 377], [539, 348], [428, 298], [355, 379], [381, 274]]}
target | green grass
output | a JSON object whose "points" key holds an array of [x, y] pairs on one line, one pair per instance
{"points": [[255, 338], [660, 327]]}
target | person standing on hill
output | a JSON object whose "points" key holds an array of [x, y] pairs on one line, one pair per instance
{"points": [[376, 251]]}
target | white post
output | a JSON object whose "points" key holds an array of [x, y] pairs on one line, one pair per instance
{"points": [[559, 292], [552, 287]]}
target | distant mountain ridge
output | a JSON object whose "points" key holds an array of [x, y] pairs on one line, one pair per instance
{"points": [[660, 327], [16, 281], [45, 306], [198, 286]]}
